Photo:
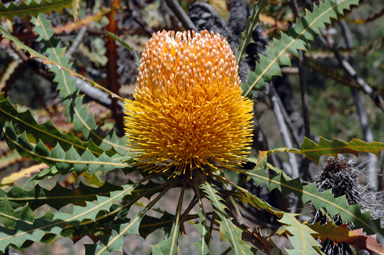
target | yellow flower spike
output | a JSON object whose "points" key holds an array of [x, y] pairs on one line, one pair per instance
{"points": [[188, 111]]}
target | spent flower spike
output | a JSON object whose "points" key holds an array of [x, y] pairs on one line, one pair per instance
{"points": [[188, 111]]}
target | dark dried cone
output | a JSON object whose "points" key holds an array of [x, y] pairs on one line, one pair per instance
{"points": [[339, 175]]}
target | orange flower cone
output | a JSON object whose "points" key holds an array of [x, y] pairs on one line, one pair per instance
{"points": [[188, 111]]}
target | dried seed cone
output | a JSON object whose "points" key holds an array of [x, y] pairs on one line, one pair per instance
{"points": [[188, 111]]}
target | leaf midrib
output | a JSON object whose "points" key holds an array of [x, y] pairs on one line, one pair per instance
{"points": [[308, 194], [48, 7], [63, 160], [123, 192], [289, 45], [47, 133]]}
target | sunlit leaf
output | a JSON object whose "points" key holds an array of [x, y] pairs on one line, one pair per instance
{"points": [[314, 151], [301, 236], [33, 8], [229, 231], [295, 39]]}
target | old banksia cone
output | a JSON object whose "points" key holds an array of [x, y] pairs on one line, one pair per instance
{"points": [[188, 111]]}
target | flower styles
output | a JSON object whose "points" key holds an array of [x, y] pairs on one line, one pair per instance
{"points": [[188, 111]]}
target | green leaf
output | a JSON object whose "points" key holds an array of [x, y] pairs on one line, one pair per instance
{"points": [[47, 132], [169, 244], [115, 241], [314, 151], [57, 197], [229, 231], [8, 216], [309, 193], [300, 236], [76, 112], [247, 197], [32, 8], [72, 159], [296, 39], [67, 85], [201, 246], [35, 232], [246, 36]]}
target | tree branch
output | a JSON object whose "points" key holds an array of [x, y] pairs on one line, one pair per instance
{"points": [[181, 15], [270, 91], [77, 41], [360, 81]]}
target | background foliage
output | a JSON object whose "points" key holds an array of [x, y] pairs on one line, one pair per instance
{"points": [[66, 170]]}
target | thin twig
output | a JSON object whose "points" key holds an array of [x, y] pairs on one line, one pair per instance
{"points": [[288, 121], [360, 81], [181, 15], [85, 87], [96, 94], [77, 41], [283, 129]]}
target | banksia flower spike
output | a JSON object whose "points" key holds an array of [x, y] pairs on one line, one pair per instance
{"points": [[188, 111]]}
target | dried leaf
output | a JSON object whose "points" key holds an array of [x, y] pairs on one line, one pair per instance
{"points": [[339, 234]]}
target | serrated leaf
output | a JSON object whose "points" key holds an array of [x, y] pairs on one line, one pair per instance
{"points": [[201, 246], [35, 232], [296, 39], [246, 36], [309, 193], [32, 8], [229, 231], [115, 242], [57, 197], [301, 236], [246, 197], [67, 86], [314, 151], [339, 234], [169, 245], [47, 132], [72, 158], [8, 216]]}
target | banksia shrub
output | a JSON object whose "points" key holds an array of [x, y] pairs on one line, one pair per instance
{"points": [[189, 122], [188, 111]]}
